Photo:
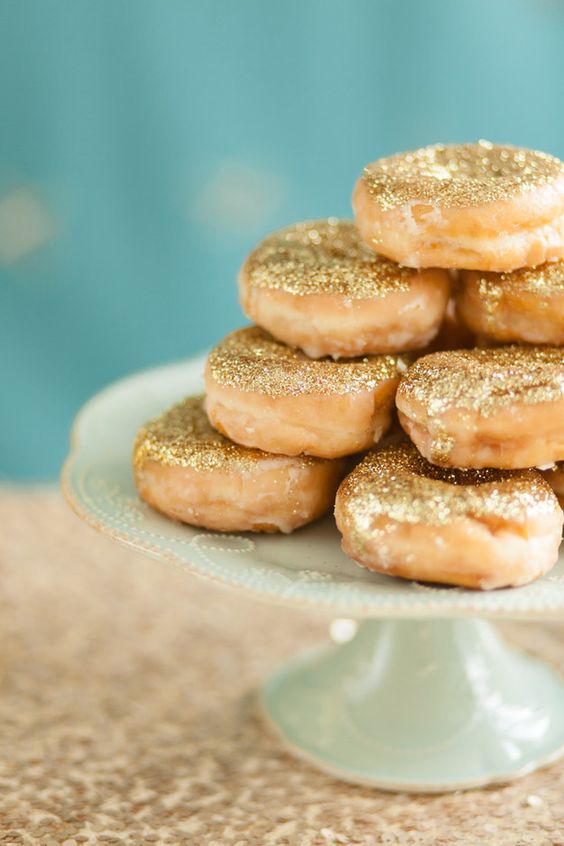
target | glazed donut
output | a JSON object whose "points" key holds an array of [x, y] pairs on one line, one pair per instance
{"points": [[315, 286], [525, 305], [400, 515], [555, 478], [263, 394], [499, 407], [190, 472], [478, 206]]}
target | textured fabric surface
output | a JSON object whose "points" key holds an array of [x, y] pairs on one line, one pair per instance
{"points": [[127, 712]]}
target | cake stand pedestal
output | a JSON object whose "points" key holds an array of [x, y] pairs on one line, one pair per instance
{"points": [[418, 694], [417, 705]]}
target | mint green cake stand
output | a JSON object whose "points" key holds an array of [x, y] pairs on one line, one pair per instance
{"points": [[417, 692]]}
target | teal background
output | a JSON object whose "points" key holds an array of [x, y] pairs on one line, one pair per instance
{"points": [[154, 141]]}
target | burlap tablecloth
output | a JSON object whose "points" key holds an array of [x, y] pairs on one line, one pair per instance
{"points": [[127, 712]]}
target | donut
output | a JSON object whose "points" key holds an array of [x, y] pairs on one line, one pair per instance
{"points": [[316, 286], [525, 305], [476, 206], [400, 515], [498, 407], [555, 477], [263, 394], [187, 470]]}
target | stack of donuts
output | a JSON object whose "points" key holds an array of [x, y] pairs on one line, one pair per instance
{"points": [[407, 367]]}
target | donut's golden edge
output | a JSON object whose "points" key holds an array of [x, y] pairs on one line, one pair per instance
{"points": [[525, 306], [191, 473], [264, 394], [474, 206], [498, 407], [401, 516], [314, 285]]}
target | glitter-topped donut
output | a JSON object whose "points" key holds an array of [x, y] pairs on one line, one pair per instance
{"points": [[498, 407], [477, 206], [190, 472], [525, 305], [316, 286], [555, 477], [263, 394], [400, 515]]}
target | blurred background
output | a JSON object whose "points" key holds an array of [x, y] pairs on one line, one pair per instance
{"points": [[147, 144]]}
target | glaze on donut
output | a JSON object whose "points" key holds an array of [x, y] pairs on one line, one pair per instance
{"points": [[316, 286], [498, 407], [476, 206], [526, 305], [263, 394], [402, 516], [190, 472]]}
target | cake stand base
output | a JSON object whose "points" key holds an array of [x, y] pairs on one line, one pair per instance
{"points": [[419, 706]]}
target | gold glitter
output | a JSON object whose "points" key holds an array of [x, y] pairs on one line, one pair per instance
{"points": [[459, 175], [183, 437], [491, 296], [323, 257], [484, 380], [397, 483], [544, 282], [252, 360]]}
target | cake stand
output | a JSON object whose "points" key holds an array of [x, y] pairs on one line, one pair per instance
{"points": [[417, 692]]}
